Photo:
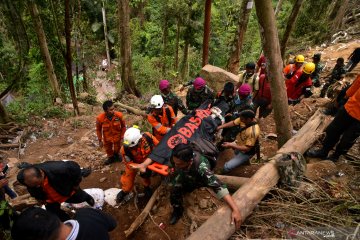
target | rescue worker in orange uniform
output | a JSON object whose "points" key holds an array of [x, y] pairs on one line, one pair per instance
{"points": [[162, 117], [344, 129], [110, 129], [290, 69], [136, 148]]}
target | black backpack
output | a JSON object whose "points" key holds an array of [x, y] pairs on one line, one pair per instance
{"points": [[206, 148], [148, 139]]}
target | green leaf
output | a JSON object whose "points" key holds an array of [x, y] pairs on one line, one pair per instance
{"points": [[96, 26]]}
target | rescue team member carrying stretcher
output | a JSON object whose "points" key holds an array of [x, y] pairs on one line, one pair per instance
{"points": [[136, 148], [110, 129], [162, 117], [193, 170]]}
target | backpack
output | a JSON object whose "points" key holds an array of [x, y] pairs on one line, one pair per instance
{"points": [[291, 167], [206, 148], [148, 140]]}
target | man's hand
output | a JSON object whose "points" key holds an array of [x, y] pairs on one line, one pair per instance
{"points": [[236, 218], [101, 144], [3, 182], [139, 167], [228, 144]]}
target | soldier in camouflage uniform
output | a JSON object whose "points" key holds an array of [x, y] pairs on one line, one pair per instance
{"points": [[336, 75], [171, 98], [198, 94], [315, 76], [193, 170]]}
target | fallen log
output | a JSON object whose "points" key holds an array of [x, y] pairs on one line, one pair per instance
{"points": [[9, 145], [23, 201], [232, 182], [141, 218], [250, 194], [131, 109]]}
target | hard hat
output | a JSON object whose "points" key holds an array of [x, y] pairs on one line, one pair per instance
{"points": [[199, 83], [132, 137], [156, 101], [300, 58], [309, 68], [163, 84], [244, 89]]}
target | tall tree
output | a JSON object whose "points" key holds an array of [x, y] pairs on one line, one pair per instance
{"points": [[290, 24], [127, 78], [44, 47], [339, 14], [271, 46], [206, 39], [69, 57], [105, 33], [234, 59]]}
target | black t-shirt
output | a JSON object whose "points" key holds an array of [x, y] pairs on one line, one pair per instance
{"points": [[94, 224]]}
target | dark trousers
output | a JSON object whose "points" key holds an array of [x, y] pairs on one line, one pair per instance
{"points": [[78, 197], [177, 193], [343, 127]]}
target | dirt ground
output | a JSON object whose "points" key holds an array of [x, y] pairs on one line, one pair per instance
{"points": [[75, 139]]}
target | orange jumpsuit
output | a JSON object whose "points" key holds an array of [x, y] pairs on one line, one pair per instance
{"points": [[161, 123], [138, 154], [111, 132]]}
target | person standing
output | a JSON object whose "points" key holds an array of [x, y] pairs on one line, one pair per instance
{"points": [[110, 129], [136, 148], [171, 98], [291, 69], [161, 117], [198, 94], [315, 76], [53, 183], [249, 77]]}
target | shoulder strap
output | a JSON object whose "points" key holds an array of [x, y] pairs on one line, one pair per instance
{"points": [[246, 127], [168, 115], [149, 140]]}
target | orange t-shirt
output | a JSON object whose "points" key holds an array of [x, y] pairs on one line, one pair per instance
{"points": [[52, 195], [353, 104]]}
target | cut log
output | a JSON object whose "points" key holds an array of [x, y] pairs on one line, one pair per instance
{"points": [[141, 218], [131, 109], [232, 182], [216, 77], [251, 193]]}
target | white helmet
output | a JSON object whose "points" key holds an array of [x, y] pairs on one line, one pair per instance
{"points": [[132, 137], [157, 101]]}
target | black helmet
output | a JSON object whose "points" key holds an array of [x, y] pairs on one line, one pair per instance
{"points": [[250, 65]]}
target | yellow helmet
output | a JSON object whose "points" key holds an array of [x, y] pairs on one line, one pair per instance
{"points": [[300, 58], [309, 68]]}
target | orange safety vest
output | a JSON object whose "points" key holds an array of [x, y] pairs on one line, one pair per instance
{"points": [[162, 123], [110, 130]]}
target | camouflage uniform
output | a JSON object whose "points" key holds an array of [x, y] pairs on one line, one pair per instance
{"points": [[242, 104], [175, 102], [199, 175], [337, 73], [291, 167], [315, 76], [195, 98]]}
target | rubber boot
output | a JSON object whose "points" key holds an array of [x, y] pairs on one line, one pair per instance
{"points": [[120, 196], [109, 160], [176, 215]]}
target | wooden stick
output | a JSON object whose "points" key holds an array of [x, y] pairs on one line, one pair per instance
{"points": [[9, 145], [250, 194], [141, 218], [131, 109]]}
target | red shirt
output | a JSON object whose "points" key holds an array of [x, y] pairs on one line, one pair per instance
{"points": [[294, 89], [264, 88], [261, 63]]}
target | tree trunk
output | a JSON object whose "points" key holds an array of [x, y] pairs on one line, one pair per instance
{"points": [[105, 34], [271, 48], [338, 21], [165, 42], [44, 48], [206, 39], [278, 8], [4, 117], [290, 24], [128, 81], [177, 44], [234, 59], [69, 58], [251, 193], [184, 64]]}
